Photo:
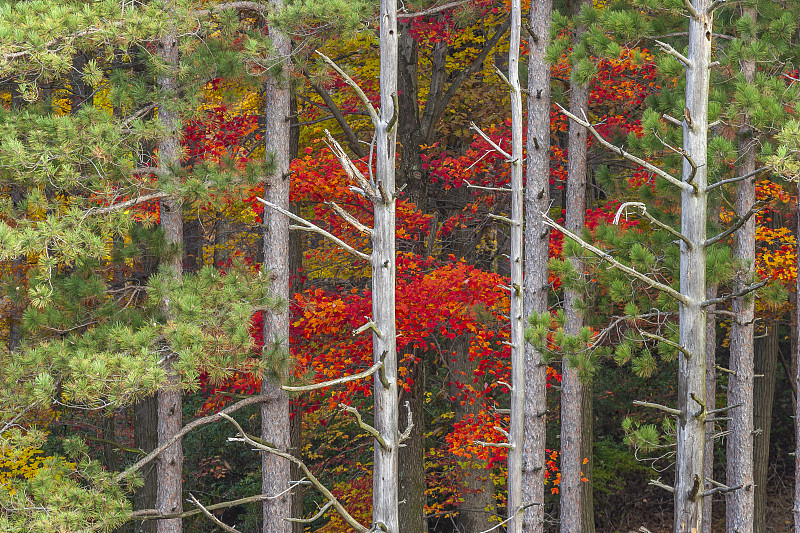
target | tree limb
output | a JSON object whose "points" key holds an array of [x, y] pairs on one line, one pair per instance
{"points": [[671, 51], [739, 223], [432, 10], [666, 341], [211, 517], [350, 218], [624, 268], [309, 226], [630, 157], [263, 446], [739, 294], [126, 204], [359, 92], [366, 427], [438, 105], [734, 180], [186, 429], [352, 139], [643, 208], [486, 138], [313, 518], [332, 383], [670, 410]]}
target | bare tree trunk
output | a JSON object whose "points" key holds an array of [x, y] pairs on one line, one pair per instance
{"points": [[711, 401], [692, 315], [169, 498], [275, 471], [766, 362], [516, 503], [477, 499], [384, 344], [537, 200], [572, 390], [411, 470], [739, 503]]}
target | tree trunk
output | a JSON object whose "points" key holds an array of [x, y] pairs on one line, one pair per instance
{"points": [[384, 345], [516, 502], [412, 455], [739, 503], [692, 315], [571, 489], [766, 362], [275, 471], [145, 437], [796, 377], [537, 200], [169, 498], [711, 403], [477, 500]]}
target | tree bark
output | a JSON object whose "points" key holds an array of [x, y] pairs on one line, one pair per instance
{"points": [[572, 389], [145, 437], [739, 503], [384, 344], [766, 362], [692, 315], [477, 500], [275, 471], [711, 403], [412, 455], [516, 502], [537, 200], [169, 498], [796, 377]]}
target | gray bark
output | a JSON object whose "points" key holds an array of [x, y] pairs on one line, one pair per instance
{"points": [[537, 200], [692, 316], [516, 501], [385, 485], [572, 390], [711, 400], [766, 362], [275, 471], [739, 503], [169, 498]]}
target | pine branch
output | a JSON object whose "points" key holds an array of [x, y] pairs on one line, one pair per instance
{"points": [[666, 341], [630, 157], [624, 268], [155, 514]]}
